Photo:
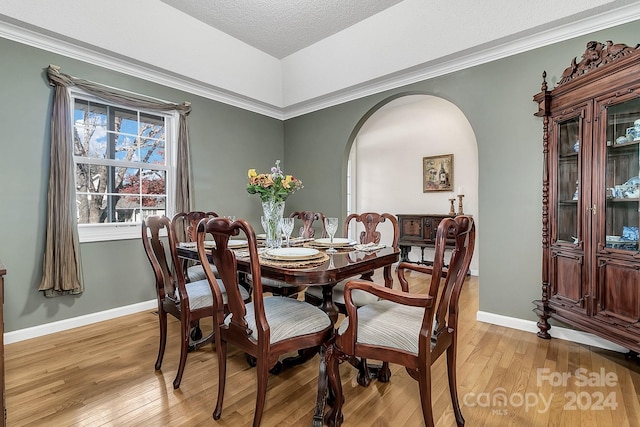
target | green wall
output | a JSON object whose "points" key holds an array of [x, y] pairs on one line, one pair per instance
{"points": [[226, 141], [497, 100]]}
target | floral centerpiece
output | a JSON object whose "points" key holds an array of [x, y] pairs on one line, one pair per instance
{"points": [[274, 186], [273, 189]]}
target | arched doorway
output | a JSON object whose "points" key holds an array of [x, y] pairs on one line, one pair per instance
{"points": [[385, 169]]}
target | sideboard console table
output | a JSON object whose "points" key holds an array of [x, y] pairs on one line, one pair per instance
{"points": [[419, 231], [3, 271]]}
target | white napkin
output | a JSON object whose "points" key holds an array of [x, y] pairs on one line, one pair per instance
{"points": [[194, 245], [369, 247], [298, 241]]}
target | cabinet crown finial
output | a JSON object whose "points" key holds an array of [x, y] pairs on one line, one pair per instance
{"points": [[595, 55]]}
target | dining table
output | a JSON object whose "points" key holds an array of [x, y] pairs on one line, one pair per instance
{"points": [[348, 262]]}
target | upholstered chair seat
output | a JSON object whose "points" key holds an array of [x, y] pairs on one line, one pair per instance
{"points": [[196, 272], [200, 293], [387, 324], [287, 318]]}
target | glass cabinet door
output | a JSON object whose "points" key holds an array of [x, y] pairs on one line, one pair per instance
{"points": [[622, 191], [568, 180]]}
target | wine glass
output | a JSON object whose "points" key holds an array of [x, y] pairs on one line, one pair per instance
{"points": [[286, 225], [331, 224]]}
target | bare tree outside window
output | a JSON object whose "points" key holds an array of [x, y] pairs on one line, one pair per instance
{"points": [[120, 163]]}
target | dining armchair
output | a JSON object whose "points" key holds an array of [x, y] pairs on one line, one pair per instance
{"points": [[185, 224], [307, 230], [187, 301], [409, 329], [265, 328]]}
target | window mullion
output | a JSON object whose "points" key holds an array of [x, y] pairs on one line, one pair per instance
{"points": [[111, 154]]}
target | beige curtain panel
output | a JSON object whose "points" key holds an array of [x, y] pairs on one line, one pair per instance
{"points": [[62, 269]]}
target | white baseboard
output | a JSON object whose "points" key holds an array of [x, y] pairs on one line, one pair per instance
{"points": [[482, 316], [63, 325], [556, 331]]}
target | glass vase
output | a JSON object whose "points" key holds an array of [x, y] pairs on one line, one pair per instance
{"points": [[272, 211]]}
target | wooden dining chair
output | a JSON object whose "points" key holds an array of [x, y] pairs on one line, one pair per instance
{"points": [[307, 230], [409, 329], [185, 224], [370, 234], [267, 327], [188, 302]]}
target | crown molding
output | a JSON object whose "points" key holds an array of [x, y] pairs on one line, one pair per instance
{"points": [[469, 58], [73, 49], [128, 66]]}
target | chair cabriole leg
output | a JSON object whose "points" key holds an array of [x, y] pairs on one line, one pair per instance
{"points": [[424, 383], [334, 417], [162, 322], [453, 383], [262, 369], [221, 350]]}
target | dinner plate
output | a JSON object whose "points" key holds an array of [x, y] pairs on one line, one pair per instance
{"points": [[292, 254], [237, 243], [337, 242]]}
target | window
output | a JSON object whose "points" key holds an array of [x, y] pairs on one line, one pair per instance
{"points": [[123, 161]]}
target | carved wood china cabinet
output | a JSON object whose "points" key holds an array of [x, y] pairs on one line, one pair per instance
{"points": [[591, 263]]}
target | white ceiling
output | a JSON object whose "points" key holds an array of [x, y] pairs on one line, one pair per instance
{"points": [[341, 49], [280, 27]]}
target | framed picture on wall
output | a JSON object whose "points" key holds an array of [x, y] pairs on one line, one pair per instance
{"points": [[437, 173]]}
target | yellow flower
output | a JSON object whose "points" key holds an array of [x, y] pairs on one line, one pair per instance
{"points": [[274, 186]]}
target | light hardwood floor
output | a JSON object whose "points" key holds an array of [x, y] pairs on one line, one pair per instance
{"points": [[103, 375]]}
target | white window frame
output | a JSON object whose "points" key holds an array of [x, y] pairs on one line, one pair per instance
{"points": [[352, 201], [130, 230]]}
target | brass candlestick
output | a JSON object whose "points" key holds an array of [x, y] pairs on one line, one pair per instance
{"points": [[452, 210], [460, 211]]}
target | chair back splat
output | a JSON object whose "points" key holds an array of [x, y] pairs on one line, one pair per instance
{"points": [[308, 219], [409, 329], [184, 225], [370, 221]]}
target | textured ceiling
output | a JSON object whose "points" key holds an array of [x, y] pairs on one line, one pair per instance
{"points": [[280, 27]]}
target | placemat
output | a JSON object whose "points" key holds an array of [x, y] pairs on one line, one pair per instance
{"points": [[286, 263], [296, 264]]}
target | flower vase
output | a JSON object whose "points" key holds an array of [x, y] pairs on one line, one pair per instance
{"points": [[272, 211]]}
